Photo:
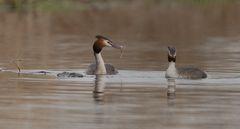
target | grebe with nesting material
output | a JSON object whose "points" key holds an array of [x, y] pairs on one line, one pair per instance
{"points": [[99, 67]]}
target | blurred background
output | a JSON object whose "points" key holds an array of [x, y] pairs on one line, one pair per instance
{"points": [[58, 34]]}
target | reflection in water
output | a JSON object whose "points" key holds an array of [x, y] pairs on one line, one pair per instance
{"points": [[63, 41], [98, 92], [171, 88], [171, 92], [171, 101]]}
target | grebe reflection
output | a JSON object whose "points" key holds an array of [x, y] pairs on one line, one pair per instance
{"points": [[171, 88], [99, 86]]}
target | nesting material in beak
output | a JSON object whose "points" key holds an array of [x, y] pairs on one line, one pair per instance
{"points": [[108, 43], [118, 47]]}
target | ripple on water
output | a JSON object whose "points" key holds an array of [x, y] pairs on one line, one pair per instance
{"points": [[137, 77], [138, 97]]}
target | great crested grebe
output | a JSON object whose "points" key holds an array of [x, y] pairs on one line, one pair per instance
{"points": [[184, 72], [100, 67]]}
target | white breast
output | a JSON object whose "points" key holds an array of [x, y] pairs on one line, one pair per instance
{"points": [[171, 71]]}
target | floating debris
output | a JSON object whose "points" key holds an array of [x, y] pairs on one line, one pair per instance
{"points": [[43, 72], [69, 75]]}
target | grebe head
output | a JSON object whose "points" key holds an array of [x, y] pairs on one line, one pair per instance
{"points": [[172, 53], [102, 42]]}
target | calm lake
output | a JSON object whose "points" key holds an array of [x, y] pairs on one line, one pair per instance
{"points": [[205, 35]]}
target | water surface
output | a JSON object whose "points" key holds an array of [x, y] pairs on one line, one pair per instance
{"points": [[207, 36]]}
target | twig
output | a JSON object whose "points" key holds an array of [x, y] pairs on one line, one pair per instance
{"points": [[18, 67]]}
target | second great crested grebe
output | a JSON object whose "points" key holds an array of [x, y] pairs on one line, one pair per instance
{"points": [[100, 67], [184, 72]]}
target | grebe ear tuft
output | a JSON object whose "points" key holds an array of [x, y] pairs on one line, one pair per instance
{"points": [[172, 51], [101, 37]]}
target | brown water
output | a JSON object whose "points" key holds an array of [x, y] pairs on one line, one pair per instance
{"points": [[207, 36]]}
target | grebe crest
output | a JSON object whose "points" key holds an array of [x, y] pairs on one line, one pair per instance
{"points": [[100, 67]]}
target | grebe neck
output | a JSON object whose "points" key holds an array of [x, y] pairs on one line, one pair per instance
{"points": [[100, 65], [171, 71]]}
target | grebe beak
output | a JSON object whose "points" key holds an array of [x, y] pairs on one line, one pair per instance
{"points": [[117, 47]]}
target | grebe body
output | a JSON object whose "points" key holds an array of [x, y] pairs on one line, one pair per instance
{"points": [[183, 72]]}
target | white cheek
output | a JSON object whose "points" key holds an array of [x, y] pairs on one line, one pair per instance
{"points": [[171, 54], [107, 44]]}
